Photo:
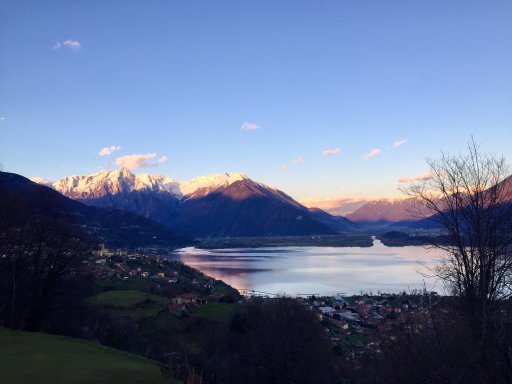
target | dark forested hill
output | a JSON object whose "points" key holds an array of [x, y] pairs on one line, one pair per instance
{"points": [[20, 196]]}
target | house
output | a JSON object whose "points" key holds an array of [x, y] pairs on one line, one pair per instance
{"points": [[201, 301], [185, 298], [340, 300], [318, 303], [348, 315], [326, 310]]}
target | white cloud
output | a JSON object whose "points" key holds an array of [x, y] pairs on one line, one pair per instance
{"points": [[136, 161], [298, 160], [332, 151], [247, 126], [283, 168], [42, 181], [399, 143], [372, 153], [105, 151], [163, 159], [421, 177], [2, 119], [73, 45]]}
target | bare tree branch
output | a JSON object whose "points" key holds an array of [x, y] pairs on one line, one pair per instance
{"points": [[470, 197]]}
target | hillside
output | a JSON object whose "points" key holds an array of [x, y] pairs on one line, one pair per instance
{"points": [[41, 358], [338, 223], [105, 225]]}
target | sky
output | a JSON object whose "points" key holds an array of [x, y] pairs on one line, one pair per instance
{"points": [[327, 100]]}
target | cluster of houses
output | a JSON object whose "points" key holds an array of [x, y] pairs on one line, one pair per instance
{"points": [[107, 263], [186, 301], [359, 324], [167, 277]]}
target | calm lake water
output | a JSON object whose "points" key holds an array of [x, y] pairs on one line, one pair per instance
{"points": [[317, 270]]}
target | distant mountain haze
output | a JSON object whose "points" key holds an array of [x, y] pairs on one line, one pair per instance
{"points": [[404, 210], [389, 210]]}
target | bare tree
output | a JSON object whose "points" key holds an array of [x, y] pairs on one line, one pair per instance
{"points": [[469, 196]]}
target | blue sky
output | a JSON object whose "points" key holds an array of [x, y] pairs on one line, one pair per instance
{"points": [[181, 78]]}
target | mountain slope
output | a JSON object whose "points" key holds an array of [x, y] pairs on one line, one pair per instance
{"points": [[245, 208], [111, 226], [337, 223]]}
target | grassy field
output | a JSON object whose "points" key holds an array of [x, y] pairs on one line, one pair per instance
{"points": [[133, 283], [216, 311], [136, 304], [40, 358]]}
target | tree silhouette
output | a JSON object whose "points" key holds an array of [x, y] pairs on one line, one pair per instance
{"points": [[39, 247], [469, 196]]}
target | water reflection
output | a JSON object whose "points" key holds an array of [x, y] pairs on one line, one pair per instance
{"points": [[317, 270]]}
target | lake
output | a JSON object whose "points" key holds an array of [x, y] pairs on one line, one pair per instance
{"points": [[317, 270]]}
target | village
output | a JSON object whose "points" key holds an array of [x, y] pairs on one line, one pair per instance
{"points": [[358, 325], [355, 325]]}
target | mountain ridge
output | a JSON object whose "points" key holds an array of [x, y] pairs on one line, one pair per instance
{"points": [[222, 204], [124, 181]]}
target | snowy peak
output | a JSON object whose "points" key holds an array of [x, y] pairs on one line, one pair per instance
{"points": [[124, 181], [112, 183], [206, 184], [157, 183]]}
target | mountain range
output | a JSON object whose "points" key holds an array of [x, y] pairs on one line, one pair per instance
{"points": [[218, 205]]}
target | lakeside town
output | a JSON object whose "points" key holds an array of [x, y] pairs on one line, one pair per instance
{"points": [[355, 325]]}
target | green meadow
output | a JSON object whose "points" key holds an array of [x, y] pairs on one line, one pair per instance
{"points": [[41, 358]]}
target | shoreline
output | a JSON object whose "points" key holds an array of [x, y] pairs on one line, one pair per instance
{"points": [[364, 240], [345, 240]]}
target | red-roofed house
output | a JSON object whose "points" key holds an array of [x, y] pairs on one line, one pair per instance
{"points": [[185, 298]]}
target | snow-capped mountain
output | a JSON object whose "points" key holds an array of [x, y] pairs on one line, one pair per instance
{"points": [[226, 204], [124, 181]]}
